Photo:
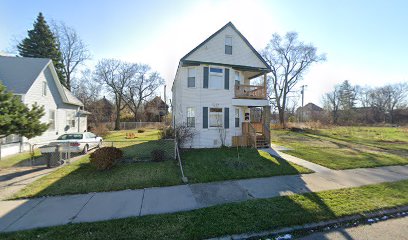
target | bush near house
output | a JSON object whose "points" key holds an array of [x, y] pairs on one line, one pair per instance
{"points": [[105, 158]]}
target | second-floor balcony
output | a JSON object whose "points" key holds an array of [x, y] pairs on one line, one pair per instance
{"points": [[250, 91]]}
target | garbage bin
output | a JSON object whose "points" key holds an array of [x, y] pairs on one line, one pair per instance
{"points": [[54, 158]]}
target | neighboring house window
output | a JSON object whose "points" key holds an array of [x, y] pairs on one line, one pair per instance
{"points": [[51, 120], [237, 78], [191, 77], [190, 117], [44, 88], [236, 117], [215, 117], [216, 80], [71, 119], [228, 45]]}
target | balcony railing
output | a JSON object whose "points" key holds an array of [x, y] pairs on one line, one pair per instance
{"points": [[250, 91]]}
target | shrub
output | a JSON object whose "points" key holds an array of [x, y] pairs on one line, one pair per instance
{"points": [[166, 133], [100, 130], [158, 155], [140, 130], [105, 158]]}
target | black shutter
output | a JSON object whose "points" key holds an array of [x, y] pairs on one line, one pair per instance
{"points": [[205, 80], [226, 79], [226, 117], [205, 117]]}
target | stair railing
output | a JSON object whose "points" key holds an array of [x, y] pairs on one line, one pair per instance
{"points": [[267, 133]]}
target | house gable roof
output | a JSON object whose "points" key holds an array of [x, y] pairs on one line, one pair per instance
{"points": [[188, 57], [19, 73]]}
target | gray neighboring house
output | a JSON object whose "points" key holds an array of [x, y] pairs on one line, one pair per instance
{"points": [[35, 81]]}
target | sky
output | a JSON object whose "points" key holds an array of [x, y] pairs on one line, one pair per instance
{"points": [[365, 40]]}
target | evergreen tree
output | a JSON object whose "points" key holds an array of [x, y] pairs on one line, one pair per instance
{"points": [[41, 43], [347, 95], [17, 118]]}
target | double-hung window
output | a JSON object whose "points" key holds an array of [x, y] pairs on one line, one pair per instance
{"points": [[44, 88], [71, 119], [215, 117], [237, 78], [228, 45], [191, 79], [216, 80], [190, 117], [236, 117], [51, 120]]}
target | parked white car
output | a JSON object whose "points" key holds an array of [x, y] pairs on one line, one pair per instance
{"points": [[79, 142]]}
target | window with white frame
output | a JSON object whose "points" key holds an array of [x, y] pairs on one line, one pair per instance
{"points": [[71, 119], [51, 120], [215, 117], [228, 45], [190, 117], [191, 79], [44, 88], [236, 117], [237, 78], [216, 79]]}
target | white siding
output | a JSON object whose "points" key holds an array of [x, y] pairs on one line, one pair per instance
{"points": [[51, 101], [214, 51], [200, 97]]}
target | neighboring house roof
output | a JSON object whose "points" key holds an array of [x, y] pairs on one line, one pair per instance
{"points": [[157, 101], [311, 107], [229, 24], [19, 73]]}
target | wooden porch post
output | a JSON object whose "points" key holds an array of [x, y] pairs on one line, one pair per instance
{"points": [[264, 85]]}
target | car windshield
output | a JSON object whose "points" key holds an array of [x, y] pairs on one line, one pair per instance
{"points": [[70, 136]]}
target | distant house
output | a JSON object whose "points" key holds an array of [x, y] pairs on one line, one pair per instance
{"points": [[156, 109], [102, 111], [35, 81], [309, 112]]}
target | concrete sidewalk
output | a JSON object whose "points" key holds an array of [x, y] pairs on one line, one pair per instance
{"points": [[50, 211]]}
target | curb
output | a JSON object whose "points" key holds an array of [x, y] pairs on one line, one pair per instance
{"points": [[317, 225]]}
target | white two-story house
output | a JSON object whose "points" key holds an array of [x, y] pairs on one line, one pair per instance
{"points": [[220, 92], [34, 80]]}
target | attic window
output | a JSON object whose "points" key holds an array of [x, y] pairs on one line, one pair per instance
{"points": [[228, 45], [44, 88]]}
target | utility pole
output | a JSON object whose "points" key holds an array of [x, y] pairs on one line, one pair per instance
{"points": [[303, 97]]}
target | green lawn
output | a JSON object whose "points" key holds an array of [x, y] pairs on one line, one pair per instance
{"points": [[17, 159], [347, 147], [81, 177], [249, 216], [207, 165]]}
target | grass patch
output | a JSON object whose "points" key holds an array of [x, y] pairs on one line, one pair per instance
{"points": [[253, 215], [17, 159], [81, 177], [347, 147], [207, 165]]}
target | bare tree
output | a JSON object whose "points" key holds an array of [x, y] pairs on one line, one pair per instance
{"points": [[289, 58], [396, 97], [74, 50], [116, 76], [142, 86], [85, 88], [331, 102]]}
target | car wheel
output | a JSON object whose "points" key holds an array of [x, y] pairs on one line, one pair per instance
{"points": [[100, 144], [86, 148]]}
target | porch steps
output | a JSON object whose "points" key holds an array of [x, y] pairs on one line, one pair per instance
{"points": [[261, 142]]}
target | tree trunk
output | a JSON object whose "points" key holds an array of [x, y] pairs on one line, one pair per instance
{"points": [[282, 117], [117, 120]]}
